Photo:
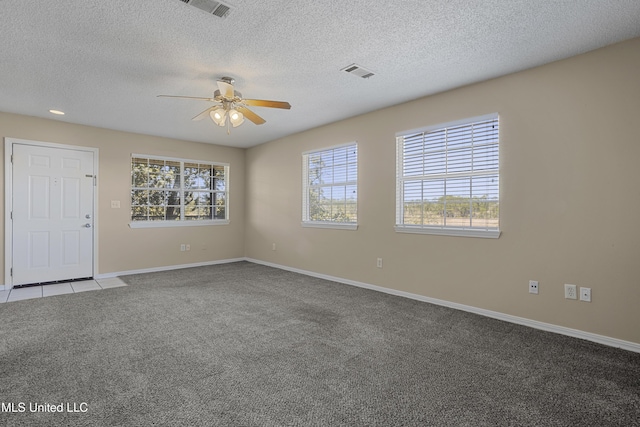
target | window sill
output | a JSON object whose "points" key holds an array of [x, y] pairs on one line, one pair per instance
{"points": [[168, 224], [334, 225], [459, 232]]}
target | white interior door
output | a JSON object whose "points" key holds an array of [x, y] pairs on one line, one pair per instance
{"points": [[53, 193]]}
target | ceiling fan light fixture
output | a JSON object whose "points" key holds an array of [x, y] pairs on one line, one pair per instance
{"points": [[219, 116], [230, 108], [236, 118]]}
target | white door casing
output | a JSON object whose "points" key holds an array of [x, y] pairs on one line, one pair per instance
{"points": [[52, 212]]}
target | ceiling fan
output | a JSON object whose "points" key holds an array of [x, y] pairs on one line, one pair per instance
{"points": [[231, 108]]}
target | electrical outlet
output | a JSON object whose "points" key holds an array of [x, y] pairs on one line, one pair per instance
{"points": [[188, 247], [182, 247], [570, 291], [533, 286], [273, 247], [585, 294], [379, 263]]}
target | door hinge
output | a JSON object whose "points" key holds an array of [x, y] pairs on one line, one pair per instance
{"points": [[11, 215], [11, 272], [12, 158]]}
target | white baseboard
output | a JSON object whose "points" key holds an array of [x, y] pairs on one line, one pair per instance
{"points": [[601, 339], [166, 268]]}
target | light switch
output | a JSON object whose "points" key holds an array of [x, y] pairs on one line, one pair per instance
{"points": [[115, 204]]}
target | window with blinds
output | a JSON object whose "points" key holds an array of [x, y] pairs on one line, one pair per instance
{"points": [[448, 179], [330, 187], [169, 192]]}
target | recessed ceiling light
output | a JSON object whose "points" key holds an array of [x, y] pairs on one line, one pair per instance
{"points": [[58, 112]]}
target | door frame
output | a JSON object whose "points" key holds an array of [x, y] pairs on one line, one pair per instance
{"points": [[8, 201]]}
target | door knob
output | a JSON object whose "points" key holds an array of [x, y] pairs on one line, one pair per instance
{"points": [[87, 225], [88, 216]]}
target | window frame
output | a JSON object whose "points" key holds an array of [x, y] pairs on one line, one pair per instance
{"points": [[342, 225], [447, 230], [180, 222]]}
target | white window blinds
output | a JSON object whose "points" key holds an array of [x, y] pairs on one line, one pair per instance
{"points": [[330, 187], [448, 179]]}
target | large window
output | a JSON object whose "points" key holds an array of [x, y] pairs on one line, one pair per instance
{"points": [[448, 179], [330, 187], [171, 192]]}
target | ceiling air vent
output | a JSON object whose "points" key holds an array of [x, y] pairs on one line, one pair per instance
{"points": [[357, 70], [216, 8]]}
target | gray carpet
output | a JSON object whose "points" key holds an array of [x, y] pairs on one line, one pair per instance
{"points": [[247, 345]]}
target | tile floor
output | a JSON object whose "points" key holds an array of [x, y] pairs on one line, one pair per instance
{"points": [[59, 289]]}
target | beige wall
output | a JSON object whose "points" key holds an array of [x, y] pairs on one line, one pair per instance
{"points": [[121, 248], [570, 198]]}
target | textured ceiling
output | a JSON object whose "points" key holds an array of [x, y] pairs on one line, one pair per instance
{"points": [[104, 62]]}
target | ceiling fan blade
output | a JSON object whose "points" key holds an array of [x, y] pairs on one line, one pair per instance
{"points": [[204, 114], [186, 97], [226, 89], [265, 103], [248, 114]]}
